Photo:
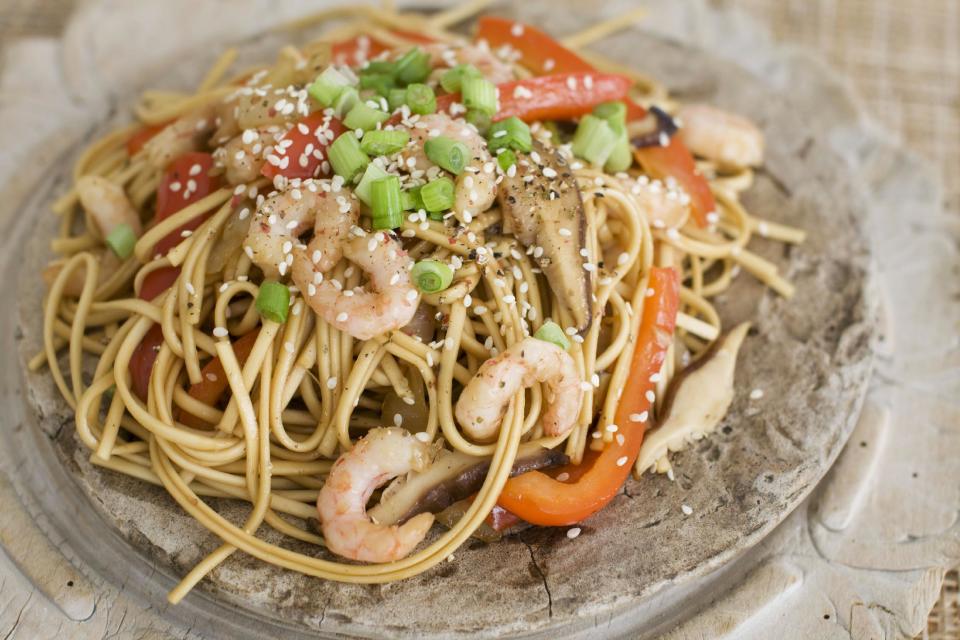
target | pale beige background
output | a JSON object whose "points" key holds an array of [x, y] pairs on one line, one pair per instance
{"points": [[903, 57]]}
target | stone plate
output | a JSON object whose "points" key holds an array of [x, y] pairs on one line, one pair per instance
{"points": [[811, 356]]}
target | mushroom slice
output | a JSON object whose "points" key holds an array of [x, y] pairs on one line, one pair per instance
{"points": [[696, 401], [450, 477], [542, 207]]}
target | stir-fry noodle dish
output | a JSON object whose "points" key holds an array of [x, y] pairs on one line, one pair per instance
{"points": [[415, 281]]}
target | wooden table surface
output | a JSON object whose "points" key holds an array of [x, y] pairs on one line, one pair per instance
{"points": [[903, 58]]}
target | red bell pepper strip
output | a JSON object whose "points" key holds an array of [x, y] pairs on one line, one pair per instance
{"points": [[539, 53], [559, 97], [543, 500], [542, 54], [214, 380], [182, 185], [140, 138], [675, 161], [142, 359], [296, 162]]}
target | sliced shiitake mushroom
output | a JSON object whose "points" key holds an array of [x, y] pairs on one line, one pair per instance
{"points": [[542, 207], [696, 400], [450, 477]]}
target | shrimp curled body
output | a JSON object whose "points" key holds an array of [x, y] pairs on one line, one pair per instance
{"points": [[391, 301], [483, 401], [281, 219], [725, 138], [378, 457]]}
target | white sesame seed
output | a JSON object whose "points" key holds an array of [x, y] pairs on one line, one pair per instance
{"points": [[573, 533], [687, 510], [563, 477], [620, 439], [622, 460], [342, 316], [189, 287], [756, 394], [332, 382], [424, 437], [650, 395], [649, 293], [288, 347], [566, 233], [612, 428], [220, 332]]}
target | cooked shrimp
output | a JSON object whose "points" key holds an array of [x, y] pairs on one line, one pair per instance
{"points": [[483, 401], [188, 133], [378, 457], [476, 187], [390, 304], [445, 55], [725, 138], [243, 156], [664, 205], [73, 288], [106, 205], [282, 218]]}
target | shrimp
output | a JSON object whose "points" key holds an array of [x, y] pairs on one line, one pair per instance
{"points": [[483, 401], [106, 205], [282, 218], [479, 55], [725, 138], [188, 133], [476, 187], [378, 457], [243, 156], [392, 301], [664, 205], [109, 263]]}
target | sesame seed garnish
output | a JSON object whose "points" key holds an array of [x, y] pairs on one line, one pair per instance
{"points": [[566, 233], [650, 395], [220, 332], [756, 394], [288, 347], [424, 437], [649, 293], [342, 316], [412, 295], [622, 460], [332, 382], [687, 510], [573, 533], [620, 439], [638, 417]]}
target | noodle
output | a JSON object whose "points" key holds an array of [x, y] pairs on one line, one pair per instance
{"points": [[301, 392]]}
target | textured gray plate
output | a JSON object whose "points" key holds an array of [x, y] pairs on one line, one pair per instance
{"points": [[810, 355]]}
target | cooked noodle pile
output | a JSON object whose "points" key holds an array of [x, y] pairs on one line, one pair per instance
{"points": [[302, 391]]}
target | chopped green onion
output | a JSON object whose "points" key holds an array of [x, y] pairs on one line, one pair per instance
{"points": [[438, 195], [551, 332], [478, 119], [346, 157], [612, 112], [594, 140], [384, 143], [621, 157], [479, 94], [431, 276], [506, 159], [385, 203], [379, 82], [512, 133], [328, 86], [121, 240], [435, 215], [413, 66], [396, 98], [371, 175], [273, 301], [363, 116], [452, 80], [348, 98], [421, 99], [384, 67], [411, 199], [447, 153]]}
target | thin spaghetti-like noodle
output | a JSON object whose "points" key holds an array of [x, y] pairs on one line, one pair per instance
{"points": [[304, 391]]}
